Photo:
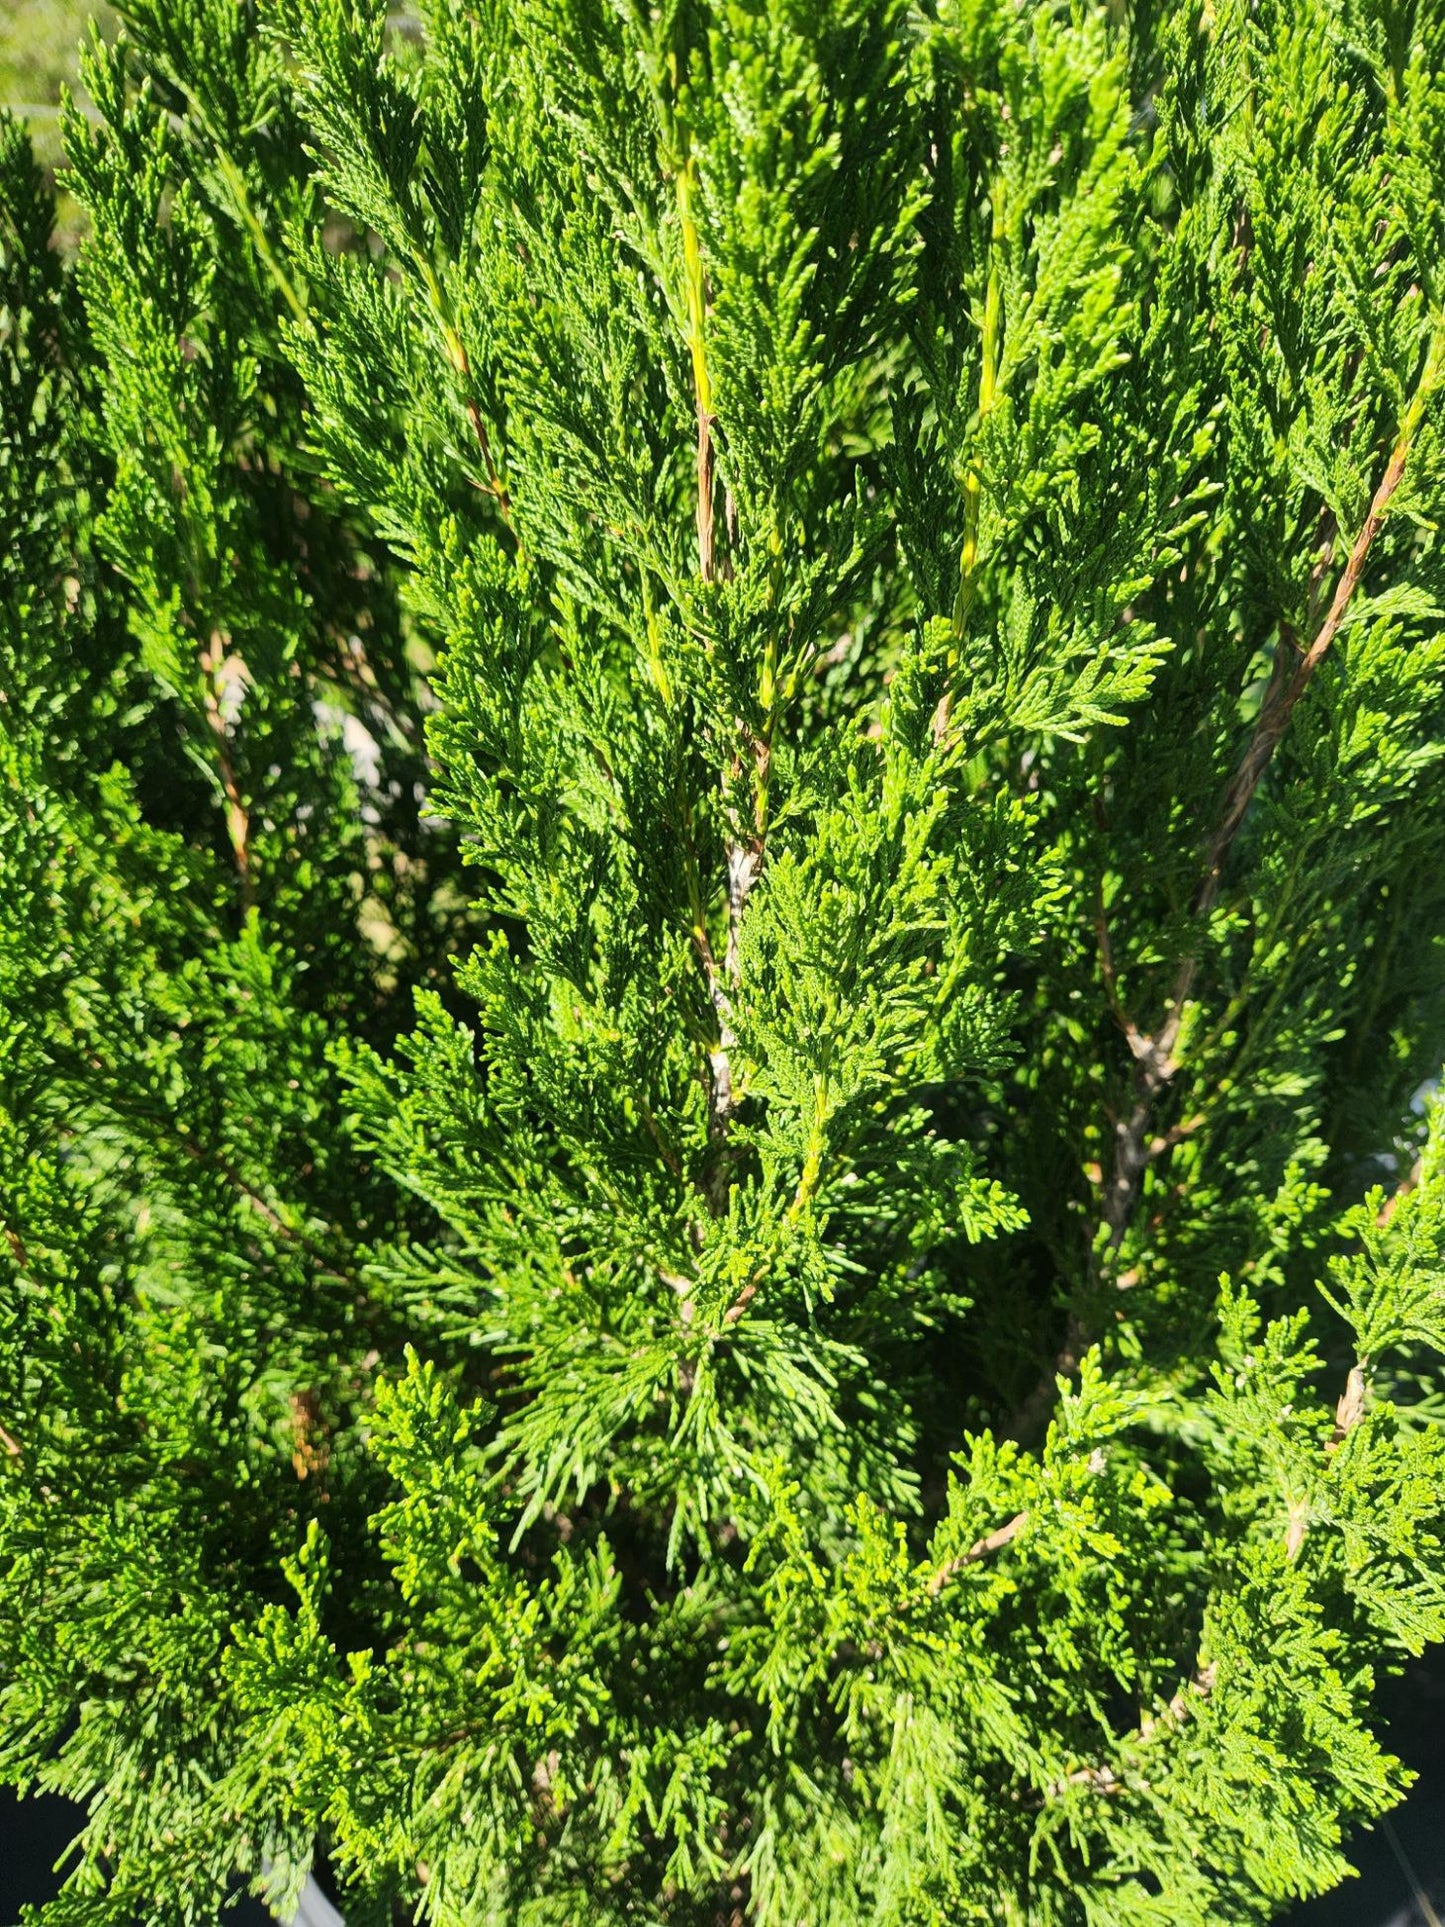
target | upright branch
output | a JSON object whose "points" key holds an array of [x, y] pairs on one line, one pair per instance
{"points": [[1155, 1057], [744, 848], [8, 1442], [968, 559], [1285, 692], [719, 980], [695, 293], [1349, 1410]]}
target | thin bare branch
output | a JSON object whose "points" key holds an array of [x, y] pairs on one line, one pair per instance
{"points": [[1412, 1879], [461, 361], [740, 1304], [706, 485], [1290, 678], [980, 1549]]}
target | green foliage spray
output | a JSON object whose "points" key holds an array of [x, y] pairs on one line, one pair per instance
{"points": [[723, 913]]}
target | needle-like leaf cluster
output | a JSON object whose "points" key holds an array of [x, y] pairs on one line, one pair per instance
{"points": [[723, 950]]}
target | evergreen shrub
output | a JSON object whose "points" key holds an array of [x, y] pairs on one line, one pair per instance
{"points": [[723, 930]]}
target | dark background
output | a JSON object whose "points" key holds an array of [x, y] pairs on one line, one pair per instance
{"points": [[1382, 1897], [35, 1834]]}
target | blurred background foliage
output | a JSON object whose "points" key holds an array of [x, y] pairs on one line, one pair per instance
{"points": [[38, 39], [39, 45]]}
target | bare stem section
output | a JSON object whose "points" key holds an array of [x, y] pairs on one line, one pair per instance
{"points": [[238, 818], [744, 848]]}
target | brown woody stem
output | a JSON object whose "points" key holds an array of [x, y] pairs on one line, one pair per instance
{"points": [[980, 1549], [238, 819]]}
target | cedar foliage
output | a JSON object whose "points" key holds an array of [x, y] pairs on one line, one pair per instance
{"points": [[720, 844]]}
